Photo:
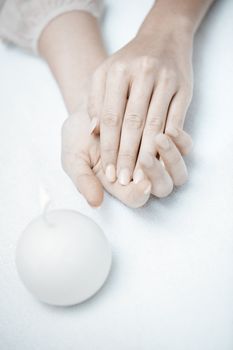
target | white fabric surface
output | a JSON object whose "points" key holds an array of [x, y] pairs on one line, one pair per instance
{"points": [[171, 286]]}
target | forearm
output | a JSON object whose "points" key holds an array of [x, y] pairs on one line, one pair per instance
{"points": [[73, 48], [182, 16]]}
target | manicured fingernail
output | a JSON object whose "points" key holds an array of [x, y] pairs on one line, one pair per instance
{"points": [[163, 142], [93, 124], [173, 132], [124, 177], [139, 176], [110, 173], [147, 190]]}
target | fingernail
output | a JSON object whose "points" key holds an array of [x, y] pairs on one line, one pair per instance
{"points": [[110, 173], [139, 176], [173, 132], [147, 190], [124, 177], [94, 206], [163, 142], [93, 124]]}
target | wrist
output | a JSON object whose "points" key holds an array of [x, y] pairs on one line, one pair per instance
{"points": [[172, 35], [168, 24], [72, 46]]}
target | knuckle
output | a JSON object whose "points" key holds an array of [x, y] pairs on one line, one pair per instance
{"points": [[155, 122], [110, 119], [118, 67], [168, 75], [133, 121], [147, 64]]}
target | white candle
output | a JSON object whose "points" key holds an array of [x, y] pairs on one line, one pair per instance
{"points": [[63, 257]]}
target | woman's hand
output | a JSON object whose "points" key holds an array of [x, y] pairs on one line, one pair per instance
{"points": [[81, 161], [139, 92]]}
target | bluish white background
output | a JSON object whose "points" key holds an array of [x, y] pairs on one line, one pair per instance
{"points": [[171, 285]]}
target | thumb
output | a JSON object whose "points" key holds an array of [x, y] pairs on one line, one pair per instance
{"points": [[85, 180]]}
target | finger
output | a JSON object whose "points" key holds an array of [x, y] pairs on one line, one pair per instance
{"points": [[178, 109], [162, 184], [111, 119], [156, 117], [84, 179], [95, 99], [132, 195], [172, 159], [132, 127], [182, 140], [175, 121]]}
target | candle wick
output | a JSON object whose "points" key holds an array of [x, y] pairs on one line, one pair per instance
{"points": [[45, 214]]}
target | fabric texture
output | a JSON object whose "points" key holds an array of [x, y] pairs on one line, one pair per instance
{"points": [[22, 21]]}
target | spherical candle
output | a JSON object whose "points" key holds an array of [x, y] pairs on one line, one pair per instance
{"points": [[63, 257]]}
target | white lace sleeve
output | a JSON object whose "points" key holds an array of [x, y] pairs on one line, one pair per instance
{"points": [[22, 21]]}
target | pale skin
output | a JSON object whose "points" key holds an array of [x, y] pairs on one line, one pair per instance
{"points": [[137, 101]]}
